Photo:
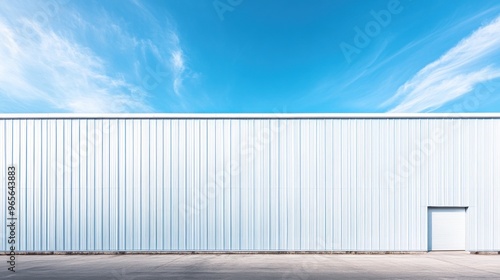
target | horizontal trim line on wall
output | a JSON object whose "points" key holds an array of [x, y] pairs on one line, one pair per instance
{"points": [[256, 116]]}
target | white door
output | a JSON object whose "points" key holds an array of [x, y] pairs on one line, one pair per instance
{"points": [[446, 228]]}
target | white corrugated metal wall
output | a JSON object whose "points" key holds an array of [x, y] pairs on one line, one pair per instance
{"points": [[292, 184]]}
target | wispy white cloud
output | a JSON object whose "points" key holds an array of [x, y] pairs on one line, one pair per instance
{"points": [[176, 59], [177, 65], [59, 58], [471, 62], [46, 72]]}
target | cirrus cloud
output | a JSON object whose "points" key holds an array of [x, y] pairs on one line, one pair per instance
{"points": [[471, 62]]}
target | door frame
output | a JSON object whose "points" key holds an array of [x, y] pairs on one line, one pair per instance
{"points": [[428, 233]]}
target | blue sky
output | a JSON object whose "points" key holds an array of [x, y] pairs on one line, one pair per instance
{"points": [[249, 56]]}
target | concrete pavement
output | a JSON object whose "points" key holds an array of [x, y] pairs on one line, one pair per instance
{"points": [[256, 266]]}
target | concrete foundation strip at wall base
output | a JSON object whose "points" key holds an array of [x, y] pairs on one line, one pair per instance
{"points": [[212, 252], [239, 252]]}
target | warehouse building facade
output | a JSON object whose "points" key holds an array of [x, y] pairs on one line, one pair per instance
{"points": [[252, 182]]}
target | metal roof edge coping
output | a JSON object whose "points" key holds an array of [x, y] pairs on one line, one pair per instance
{"points": [[253, 116]]}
